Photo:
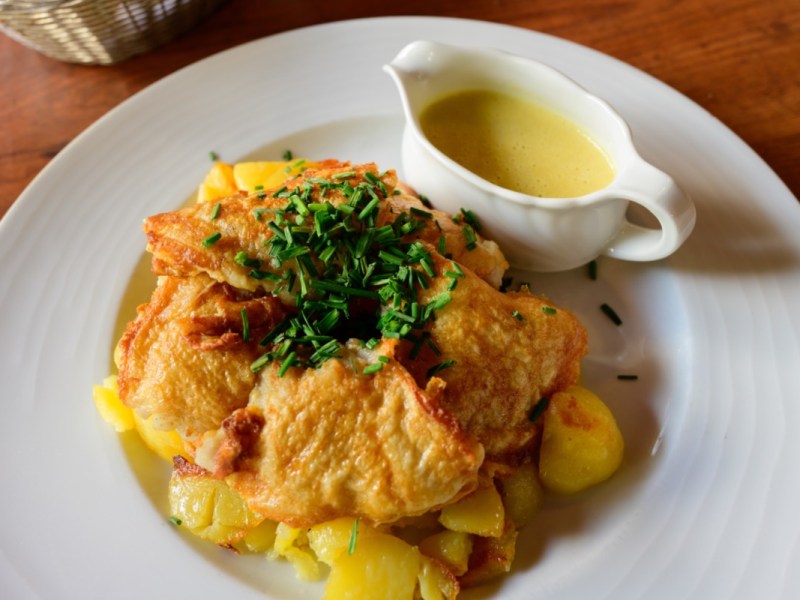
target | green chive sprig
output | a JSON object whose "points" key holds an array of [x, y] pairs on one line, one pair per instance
{"points": [[538, 409], [245, 326], [212, 239], [349, 277], [351, 546], [611, 314], [440, 367]]}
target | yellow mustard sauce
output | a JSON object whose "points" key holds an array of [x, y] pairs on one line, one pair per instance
{"points": [[517, 144]]}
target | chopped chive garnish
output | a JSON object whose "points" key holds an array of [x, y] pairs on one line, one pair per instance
{"points": [[301, 206], [323, 247], [326, 351], [175, 521], [627, 377], [549, 310], [289, 361], [274, 332], [261, 275], [611, 314], [245, 326], [469, 235], [368, 209], [440, 367], [538, 409], [212, 239], [331, 286], [592, 269], [351, 547], [261, 362], [242, 259], [213, 156], [517, 315], [418, 212], [215, 211], [440, 301], [471, 219]]}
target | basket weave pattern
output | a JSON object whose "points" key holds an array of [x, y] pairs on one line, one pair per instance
{"points": [[99, 31]]}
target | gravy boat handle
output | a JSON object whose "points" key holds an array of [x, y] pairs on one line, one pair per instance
{"points": [[660, 195]]}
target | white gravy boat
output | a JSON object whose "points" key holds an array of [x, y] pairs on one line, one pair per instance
{"points": [[541, 234]]}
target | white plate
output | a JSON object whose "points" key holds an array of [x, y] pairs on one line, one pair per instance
{"points": [[706, 503]]}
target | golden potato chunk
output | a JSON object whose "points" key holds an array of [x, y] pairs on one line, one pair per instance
{"points": [[436, 582], [291, 543], [330, 539], [261, 538], [522, 494], [490, 557], [481, 513], [381, 565], [218, 183], [110, 407], [208, 507], [166, 444], [452, 548], [581, 443], [263, 175]]}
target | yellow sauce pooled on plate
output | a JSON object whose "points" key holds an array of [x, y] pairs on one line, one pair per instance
{"points": [[516, 144]]}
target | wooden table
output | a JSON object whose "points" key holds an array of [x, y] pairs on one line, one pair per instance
{"points": [[739, 59]]}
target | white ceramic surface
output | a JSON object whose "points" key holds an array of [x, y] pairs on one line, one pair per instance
{"points": [[542, 234], [706, 503]]}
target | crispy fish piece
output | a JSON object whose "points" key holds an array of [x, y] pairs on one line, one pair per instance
{"points": [[184, 360], [178, 239], [485, 259], [508, 351], [335, 442]]}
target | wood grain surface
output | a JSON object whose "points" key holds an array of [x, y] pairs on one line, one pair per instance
{"points": [[739, 59]]}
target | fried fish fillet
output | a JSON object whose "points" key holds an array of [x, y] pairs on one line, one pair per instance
{"points": [[508, 351], [334, 442], [184, 360], [246, 223], [484, 259]]}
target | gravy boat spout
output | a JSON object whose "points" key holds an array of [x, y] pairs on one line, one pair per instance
{"points": [[536, 233]]}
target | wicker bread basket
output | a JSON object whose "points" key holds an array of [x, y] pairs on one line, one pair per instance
{"points": [[99, 31]]}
